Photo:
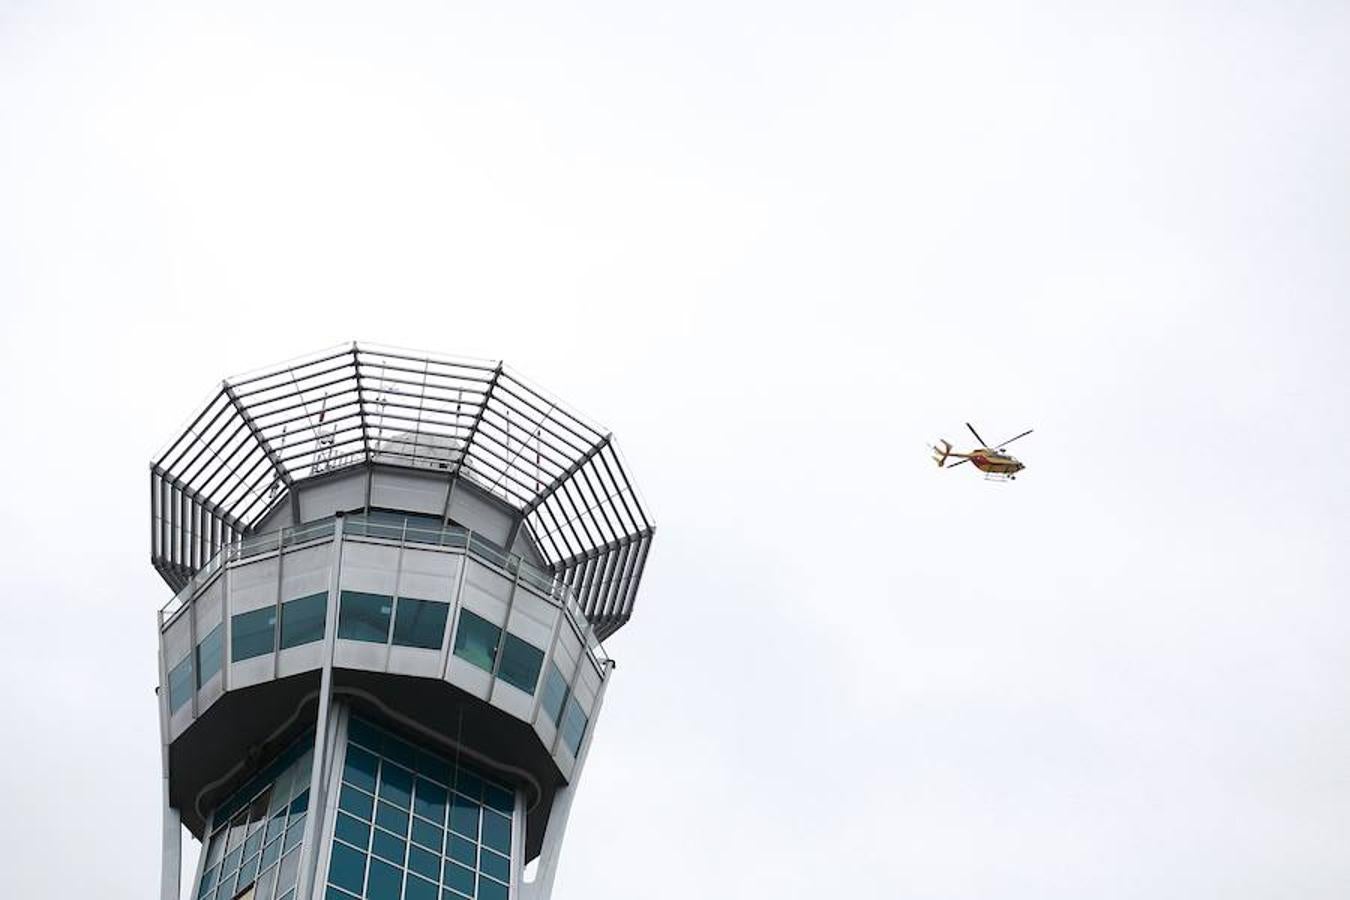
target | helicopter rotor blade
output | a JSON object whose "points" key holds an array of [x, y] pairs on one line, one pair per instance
{"points": [[1018, 438], [955, 464], [977, 435]]}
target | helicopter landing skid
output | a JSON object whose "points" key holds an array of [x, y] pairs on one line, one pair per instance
{"points": [[998, 476]]}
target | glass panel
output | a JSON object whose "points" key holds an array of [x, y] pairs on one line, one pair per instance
{"points": [[270, 853], [423, 862], [286, 872], [555, 693], [496, 831], [364, 617], [302, 620], [352, 830], [391, 817], [521, 662], [459, 878], [464, 817], [573, 725], [490, 890], [387, 847], [417, 889], [420, 623], [427, 834], [253, 633], [180, 684], [385, 882], [347, 868], [265, 884], [500, 799], [430, 800], [358, 804], [496, 865], [360, 768], [396, 785], [476, 640], [463, 851], [209, 654]]}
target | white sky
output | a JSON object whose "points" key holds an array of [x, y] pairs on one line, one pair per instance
{"points": [[777, 247]]}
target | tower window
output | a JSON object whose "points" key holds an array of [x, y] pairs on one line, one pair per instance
{"points": [[477, 640]]}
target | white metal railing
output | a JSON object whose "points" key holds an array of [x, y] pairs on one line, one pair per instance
{"points": [[451, 537]]}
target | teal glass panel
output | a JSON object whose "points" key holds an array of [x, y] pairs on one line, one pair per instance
{"points": [[435, 768], [295, 832], [463, 851], [385, 881], [364, 617], [464, 816], [476, 640], [180, 684], [209, 655], [360, 768], [352, 830], [391, 817], [555, 693], [396, 785], [271, 853], [332, 893], [496, 831], [361, 732], [424, 862], [427, 834], [468, 782], [495, 864], [459, 878], [358, 804], [573, 725], [347, 868], [499, 798], [253, 633], [491, 890], [419, 889], [248, 871], [302, 620], [520, 663], [420, 623], [399, 752], [277, 825], [429, 800], [387, 847]]}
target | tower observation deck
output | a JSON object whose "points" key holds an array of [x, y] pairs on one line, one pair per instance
{"points": [[381, 668]]}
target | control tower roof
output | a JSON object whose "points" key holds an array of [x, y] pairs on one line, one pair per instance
{"points": [[261, 434]]}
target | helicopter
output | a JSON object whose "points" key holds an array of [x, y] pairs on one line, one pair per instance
{"points": [[990, 459]]}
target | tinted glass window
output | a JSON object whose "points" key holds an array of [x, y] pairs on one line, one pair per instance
{"points": [[364, 617], [521, 662], [555, 693], [302, 620], [420, 623], [573, 725], [209, 653], [180, 684], [476, 640], [253, 633]]}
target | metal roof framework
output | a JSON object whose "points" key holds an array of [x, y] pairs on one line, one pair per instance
{"points": [[261, 433]]}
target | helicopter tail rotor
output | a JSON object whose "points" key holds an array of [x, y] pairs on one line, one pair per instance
{"points": [[940, 453]]}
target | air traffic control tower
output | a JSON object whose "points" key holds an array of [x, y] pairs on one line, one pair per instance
{"points": [[381, 668]]}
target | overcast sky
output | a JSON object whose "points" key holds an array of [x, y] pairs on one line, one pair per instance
{"points": [[777, 248]]}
